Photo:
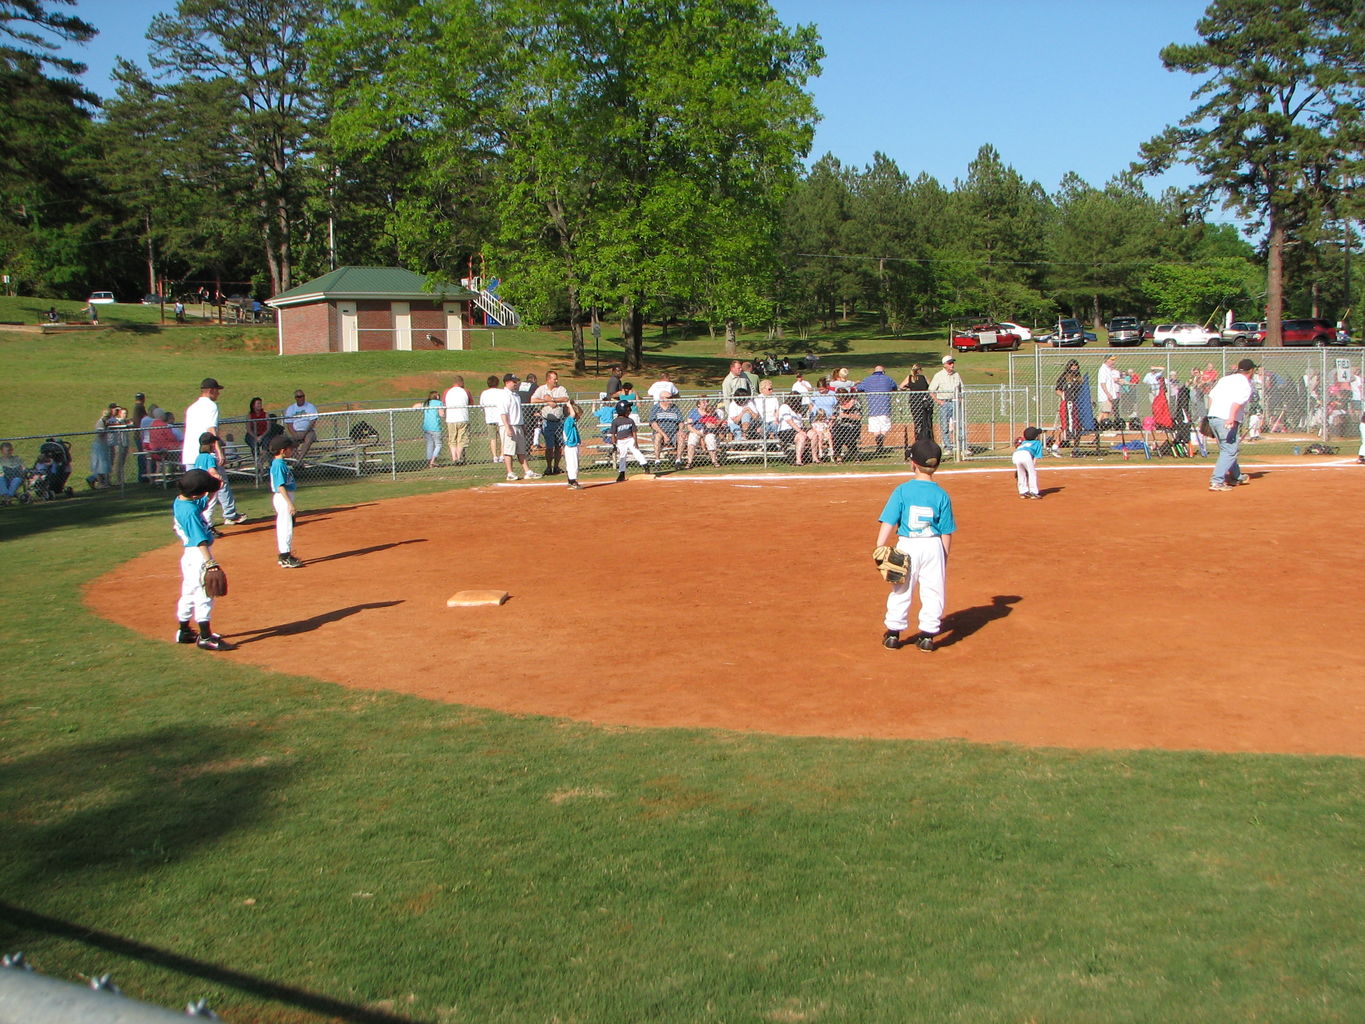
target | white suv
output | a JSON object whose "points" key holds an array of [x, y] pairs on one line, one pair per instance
{"points": [[1184, 334]]}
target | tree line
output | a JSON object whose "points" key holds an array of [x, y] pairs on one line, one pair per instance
{"points": [[645, 160]]}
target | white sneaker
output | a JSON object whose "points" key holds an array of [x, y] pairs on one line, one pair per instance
{"points": [[511, 476], [530, 474]]}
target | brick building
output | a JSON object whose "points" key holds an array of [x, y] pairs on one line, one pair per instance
{"points": [[369, 309]]}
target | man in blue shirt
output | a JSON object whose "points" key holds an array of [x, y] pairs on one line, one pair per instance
{"points": [[878, 387]]}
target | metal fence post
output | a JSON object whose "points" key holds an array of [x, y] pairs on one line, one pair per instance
{"points": [[393, 450]]}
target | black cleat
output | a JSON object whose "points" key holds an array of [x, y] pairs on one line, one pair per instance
{"points": [[891, 640]]}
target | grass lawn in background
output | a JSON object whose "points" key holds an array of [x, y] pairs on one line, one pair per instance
{"points": [[61, 383], [295, 851]]}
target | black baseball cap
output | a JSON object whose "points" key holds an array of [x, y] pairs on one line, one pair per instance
{"points": [[1244, 365], [197, 481], [508, 377], [926, 453], [140, 396], [281, 443], [1032, 433], [208, 437], [209, 382]]}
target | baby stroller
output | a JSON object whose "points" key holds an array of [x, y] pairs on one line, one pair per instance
{"points": [[47, 479]]}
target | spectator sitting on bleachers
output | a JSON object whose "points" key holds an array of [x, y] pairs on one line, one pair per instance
{"points": [[740, 416], [665, 421], [791, 430], [12, 468], [702, 424], [766, 406]]}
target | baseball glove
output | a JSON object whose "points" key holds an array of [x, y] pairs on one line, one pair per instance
{"points": [[892, 564], [213, 579]]}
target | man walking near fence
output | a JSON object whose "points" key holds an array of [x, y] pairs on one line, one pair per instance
{"points": [[202, 418], [1227, 401]]}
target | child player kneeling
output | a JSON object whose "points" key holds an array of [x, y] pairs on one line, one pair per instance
{"points": [[920, 515], [195, 606]]}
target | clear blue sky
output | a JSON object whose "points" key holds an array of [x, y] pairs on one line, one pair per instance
{"points": [[1054, 85]]}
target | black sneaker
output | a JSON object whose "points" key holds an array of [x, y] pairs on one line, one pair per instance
{"points": [[186, 636], [574, 485], [891, 640], [290, 562], [924, 642], [212, 643], [620, 478]]}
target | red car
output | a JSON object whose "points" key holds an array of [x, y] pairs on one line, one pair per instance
{"points": [[984, 337], [1308, 332]]}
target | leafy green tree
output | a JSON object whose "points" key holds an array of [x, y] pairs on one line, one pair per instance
{"points": [[1196, 290], [817, 274], [239, 71], [1100, 244], [1277, 134], [1000, 221], [44, 114]]}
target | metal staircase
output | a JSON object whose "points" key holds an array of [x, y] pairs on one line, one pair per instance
{"points": [[499, 313]]}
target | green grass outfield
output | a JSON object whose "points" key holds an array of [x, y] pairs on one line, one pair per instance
{"points": [[295, 851]]}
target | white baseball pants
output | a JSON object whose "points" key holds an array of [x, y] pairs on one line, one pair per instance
{"points": [[1026, 471], [928, 573]]}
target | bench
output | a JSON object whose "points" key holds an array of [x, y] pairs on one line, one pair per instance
{"points": [[349, 456]]}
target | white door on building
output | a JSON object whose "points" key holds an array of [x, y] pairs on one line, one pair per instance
{"points": [[350, 329], [402, 326], [454, 326]]}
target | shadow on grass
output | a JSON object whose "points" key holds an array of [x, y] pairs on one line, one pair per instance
{"points": [[966, 621], [130, 804], [250, 636], [84, 509], [29, 921]]}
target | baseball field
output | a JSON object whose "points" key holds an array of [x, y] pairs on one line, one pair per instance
{"points": [[675, 777]]}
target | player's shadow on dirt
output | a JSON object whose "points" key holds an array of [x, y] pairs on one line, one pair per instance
{"points": [[1051, 490], [250, 636], [355, 552], [965, 621]]}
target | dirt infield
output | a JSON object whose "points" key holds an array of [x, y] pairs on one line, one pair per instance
{"points": [[1129, 608]]}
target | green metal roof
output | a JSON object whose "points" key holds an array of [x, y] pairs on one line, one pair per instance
{"points": [[371, 283]]}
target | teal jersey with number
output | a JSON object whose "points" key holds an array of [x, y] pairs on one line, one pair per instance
{"points": [[919, 508]]}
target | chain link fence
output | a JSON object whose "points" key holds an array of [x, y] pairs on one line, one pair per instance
{"points": [[1301, 395]]}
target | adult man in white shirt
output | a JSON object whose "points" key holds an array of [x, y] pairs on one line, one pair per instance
{"points": [[1110, 388], [202, 418], [946, 390], [766, 405], [456, 402], [298, 424], [490, 401], [1227, 400], [510, 432], [552, 397], [662, 388]]}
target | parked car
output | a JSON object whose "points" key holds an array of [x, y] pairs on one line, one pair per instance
{"points": [[1024, 333], [1125, 330], [1185, 334], [1069, 332], [1249, 333], [1308, 332], [984, 337], [101, 298]]}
